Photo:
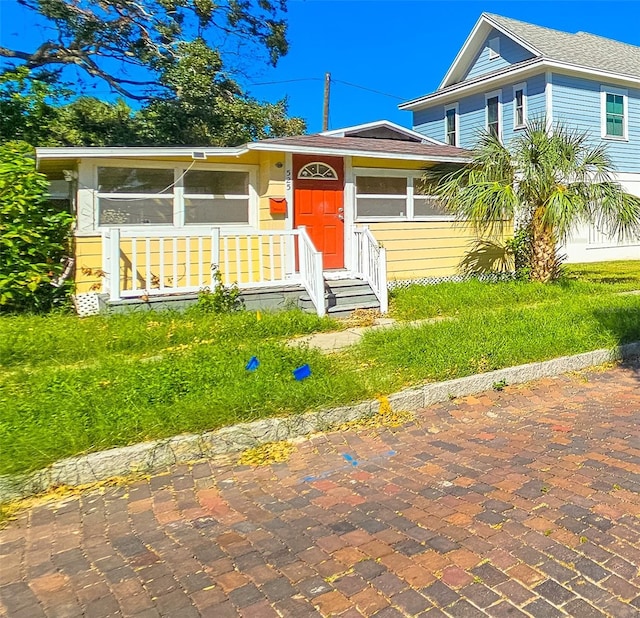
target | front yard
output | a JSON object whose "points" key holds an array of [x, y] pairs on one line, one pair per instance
{"points": [[71, 386]]}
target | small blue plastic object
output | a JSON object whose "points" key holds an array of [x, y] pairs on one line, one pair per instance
{"points": [[253, 364], [302, 372], [351, 460]]}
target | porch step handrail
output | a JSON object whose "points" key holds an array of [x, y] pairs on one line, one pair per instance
{"points": [[371, 261], [310, 264]]}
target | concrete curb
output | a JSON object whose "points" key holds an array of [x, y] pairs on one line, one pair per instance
{"points": [[155, 456]]}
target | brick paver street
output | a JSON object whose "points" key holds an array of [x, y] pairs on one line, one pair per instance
{"points": [[521, 502]]}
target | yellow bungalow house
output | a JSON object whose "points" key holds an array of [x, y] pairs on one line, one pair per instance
{"points": [[330, 218]]}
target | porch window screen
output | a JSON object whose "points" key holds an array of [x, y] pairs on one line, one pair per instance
{"points": [[135, 196], [216, 197], [425, 205], [380, 197]]}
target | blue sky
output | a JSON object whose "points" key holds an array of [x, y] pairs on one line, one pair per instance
{"points": [[400, 48]]}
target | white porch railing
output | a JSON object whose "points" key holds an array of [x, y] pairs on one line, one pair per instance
{"points": [[141, 262], [310, 262], [371, 263]]}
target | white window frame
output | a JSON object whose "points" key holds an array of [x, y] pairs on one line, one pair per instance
{"points": [[410, 175], [179, 168], [604, 91], [456, 123], [523, 87], [491, 95], [494, 47], [333, 171], [212, 196]]}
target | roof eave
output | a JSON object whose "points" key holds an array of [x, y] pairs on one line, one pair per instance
{"points": [[438, 96], [51, 153]]}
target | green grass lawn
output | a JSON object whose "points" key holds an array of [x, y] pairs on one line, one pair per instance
{"points": [[71, 385]]}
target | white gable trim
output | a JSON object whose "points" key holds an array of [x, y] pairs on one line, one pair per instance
{"points": [[548, 99], [472, 46], [382, 123], [480, 85]]}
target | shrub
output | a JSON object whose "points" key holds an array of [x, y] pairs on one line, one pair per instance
{"points": [[222, 299], [520, 247], [34, 235]]}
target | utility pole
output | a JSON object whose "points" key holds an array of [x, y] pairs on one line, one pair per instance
{"points": [[325, 111]]}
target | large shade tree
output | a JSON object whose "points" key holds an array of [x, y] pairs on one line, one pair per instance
{"points": [[549, 180], [179, 63], [130, 44]]}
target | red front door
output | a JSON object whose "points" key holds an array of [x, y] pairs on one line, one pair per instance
{"points": [[318, 204]]}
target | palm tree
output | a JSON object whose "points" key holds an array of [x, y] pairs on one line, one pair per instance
{"points": [[549, 180]]}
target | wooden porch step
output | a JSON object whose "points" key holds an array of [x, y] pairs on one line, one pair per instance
{"points": [[343, 297]]}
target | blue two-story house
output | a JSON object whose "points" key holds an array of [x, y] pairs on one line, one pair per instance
{"points": [[509, 71]]}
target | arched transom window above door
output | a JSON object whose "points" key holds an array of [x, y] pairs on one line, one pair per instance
{"points": [[317, 171]]}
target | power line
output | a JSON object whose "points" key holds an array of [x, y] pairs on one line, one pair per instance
{"points": [[288, 81], [338, 81], [386, 94]]}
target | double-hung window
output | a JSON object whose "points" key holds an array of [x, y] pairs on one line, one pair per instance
{"points": [[519, 106], [493, 114], [425, 206], [135, 196], [394, 194], [451, 125], [216, 197], [381, 197], [614, 113]]}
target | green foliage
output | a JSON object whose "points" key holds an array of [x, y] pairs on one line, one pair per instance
{"points": [[69, 386], [28, 107], [34, 235], [552, 179], [222, 299], [520, 247], [202, 109], [129, 44]]}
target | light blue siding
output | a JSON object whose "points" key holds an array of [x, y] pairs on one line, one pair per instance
{"points": [[535, 106], [510, 53], [430, 122], [472, 119], [576, 103]]}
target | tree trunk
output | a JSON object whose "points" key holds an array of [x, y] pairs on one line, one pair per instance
{"points": [[544, 260]]}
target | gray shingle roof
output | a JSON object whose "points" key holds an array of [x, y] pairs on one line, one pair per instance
{"points": [[367, 145], [582, 49]]}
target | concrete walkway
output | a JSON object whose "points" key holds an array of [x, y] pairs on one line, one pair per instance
{"points": [[523, 502], [335, 341]]}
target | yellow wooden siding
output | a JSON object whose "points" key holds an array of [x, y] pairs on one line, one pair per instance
{"points": [[423, 249], [88, 254], [270, 184], [389, 163]]}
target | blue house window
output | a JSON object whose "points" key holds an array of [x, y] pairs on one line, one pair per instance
{"points": [[519, 106], [451, 125], [614, 113], [493, 114]]}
